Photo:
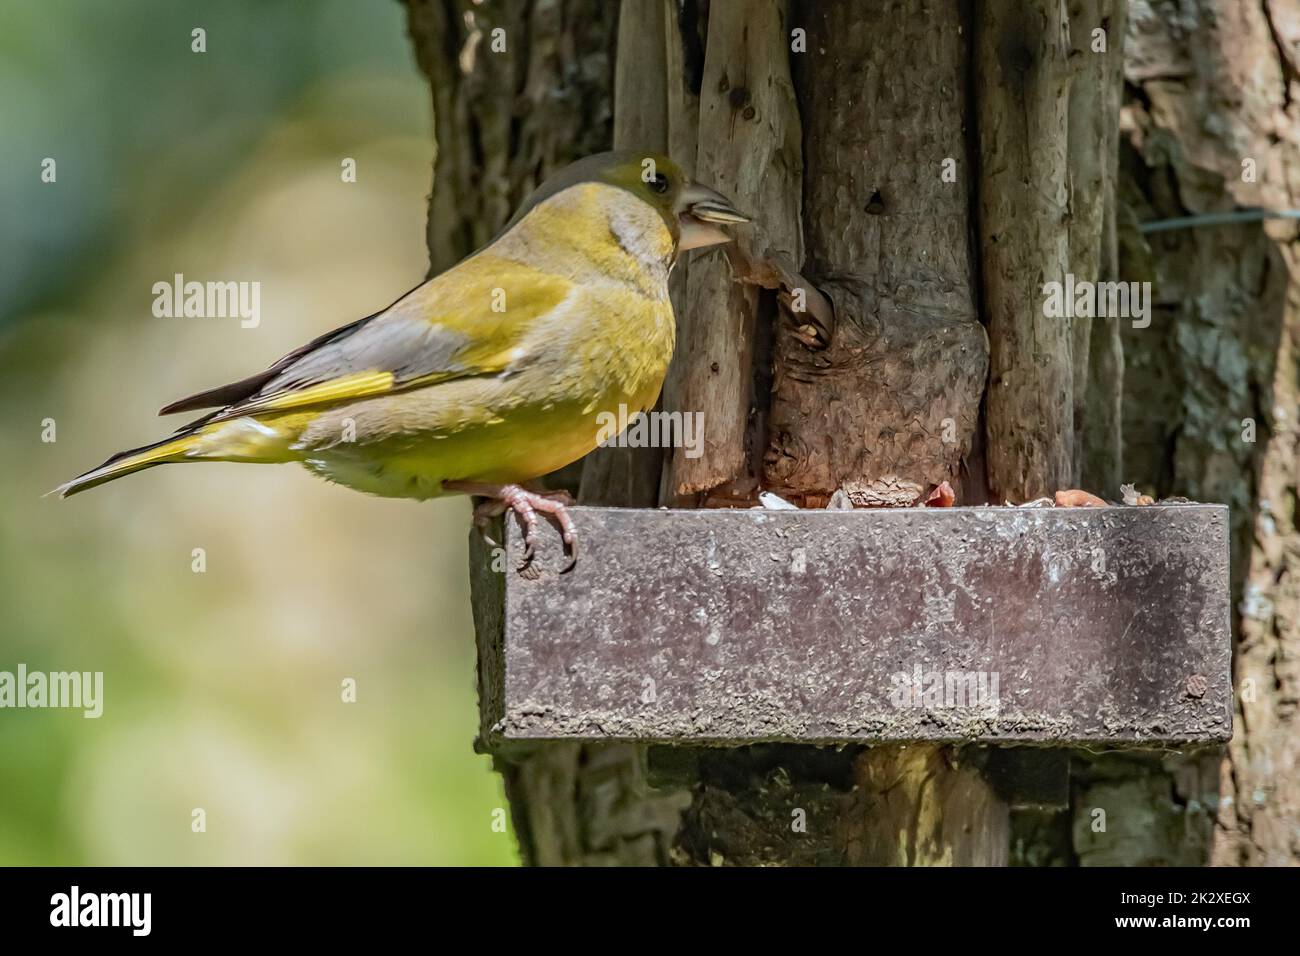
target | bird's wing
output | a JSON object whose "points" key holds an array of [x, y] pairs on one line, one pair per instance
{"points": [[446, 329]]}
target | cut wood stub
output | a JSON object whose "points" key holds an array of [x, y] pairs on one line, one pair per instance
{"points": [[1017, 625], [888, 230]]}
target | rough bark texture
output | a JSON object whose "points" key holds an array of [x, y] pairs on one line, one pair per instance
{"points": [[1096, 87], [897, 391], [504, 120], [1100, 441], [1213, 84], [887, 395], [1023, 94], [748, 148], [686, 24]]}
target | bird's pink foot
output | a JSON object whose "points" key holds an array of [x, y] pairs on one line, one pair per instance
{"points": [[526, 505]]}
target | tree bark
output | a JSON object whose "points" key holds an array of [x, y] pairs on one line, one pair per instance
{"points": [[509, 108], [896, 392], [842, 150], [1023, 71], [748, 148], [1212, 124], [1096, 88]]}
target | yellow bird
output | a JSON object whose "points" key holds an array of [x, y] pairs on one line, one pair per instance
{"points": [[489, 375]]}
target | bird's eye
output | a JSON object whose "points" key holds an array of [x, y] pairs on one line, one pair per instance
{"points": [[660, 183]]}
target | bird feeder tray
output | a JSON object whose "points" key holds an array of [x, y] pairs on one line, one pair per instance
{"points": [[1050, 626]]}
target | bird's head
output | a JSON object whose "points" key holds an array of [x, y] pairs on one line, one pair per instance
{"points": [[694, 214]]}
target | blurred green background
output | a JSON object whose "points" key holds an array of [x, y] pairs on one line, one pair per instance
{"points": [[223, 688]]}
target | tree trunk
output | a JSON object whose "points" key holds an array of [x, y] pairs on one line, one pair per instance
{"points": [[519, 90], [1210, 403], [918, 170]]}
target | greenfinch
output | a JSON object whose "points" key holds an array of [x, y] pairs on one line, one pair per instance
{"points": [[489, 375]]}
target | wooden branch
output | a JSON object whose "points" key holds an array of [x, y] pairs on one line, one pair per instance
{"points": [[685, 25], [641, 77], [1095, 88], [902, 811], [1099, 443], [1023, 88], [684, 56], [749, 150], [1090, 130], [896, 393]]}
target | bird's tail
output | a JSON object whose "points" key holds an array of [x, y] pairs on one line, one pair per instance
{"points": [[130, 461], [242, 439]]}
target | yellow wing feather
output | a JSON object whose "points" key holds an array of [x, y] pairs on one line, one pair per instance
{"points": [[467, 322]]}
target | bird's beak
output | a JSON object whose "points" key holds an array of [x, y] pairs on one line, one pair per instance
{"points": [[700, 211]]}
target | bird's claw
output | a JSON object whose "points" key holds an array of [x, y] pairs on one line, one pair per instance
{"points": [[482, 523], [559, 496], [569, 535], [526, 505]]}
